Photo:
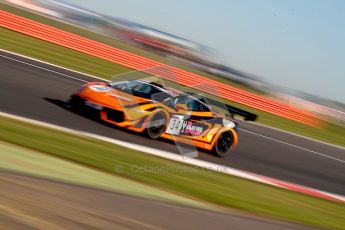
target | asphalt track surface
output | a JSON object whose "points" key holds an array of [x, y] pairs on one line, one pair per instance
{"points": [[36, 90]]}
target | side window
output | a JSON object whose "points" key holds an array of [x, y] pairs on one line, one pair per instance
{"points": [[181, 100], [158, 95], [175, 100], [191, 103], [195, 105], [170, 102], [141, 89]]}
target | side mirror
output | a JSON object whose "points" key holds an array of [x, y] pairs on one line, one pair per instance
{"points": [[181, 107]]}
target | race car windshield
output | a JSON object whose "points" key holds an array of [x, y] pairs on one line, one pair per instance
{"points": [[141, 89]]}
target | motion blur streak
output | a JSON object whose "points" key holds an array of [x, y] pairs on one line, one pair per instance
{"points": [[244, 130], [59, 37], [192, 161], [295, 146], [256, 154]]}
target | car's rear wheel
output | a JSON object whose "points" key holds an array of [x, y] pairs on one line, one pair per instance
{"points": [[156, 125], [223, 144]]}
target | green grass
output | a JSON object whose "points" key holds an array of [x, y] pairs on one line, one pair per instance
{"points": [[29, 46], [220, 189], [26, 161]]}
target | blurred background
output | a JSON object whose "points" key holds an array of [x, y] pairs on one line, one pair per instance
{"points": [[318, 90], [279, 62]]}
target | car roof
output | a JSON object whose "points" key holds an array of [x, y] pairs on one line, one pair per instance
{"points": [[169, 90]]}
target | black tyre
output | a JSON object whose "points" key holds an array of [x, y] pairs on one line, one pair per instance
{"points": [[76, 104], [75, 101], [223, 144], [156, 125]]}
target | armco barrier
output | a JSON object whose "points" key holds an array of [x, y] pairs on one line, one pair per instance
{"points": [[87, 46]]}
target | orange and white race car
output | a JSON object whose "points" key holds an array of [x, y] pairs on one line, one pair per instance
{"points": [[159, 112]]}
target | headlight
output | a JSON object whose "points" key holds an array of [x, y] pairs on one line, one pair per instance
{"points": [[229, 123]]}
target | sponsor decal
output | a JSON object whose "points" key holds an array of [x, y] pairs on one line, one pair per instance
{"points": [[191, 128], [179, 126]]}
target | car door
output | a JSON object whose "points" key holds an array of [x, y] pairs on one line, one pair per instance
{"points": [[190, 119]]}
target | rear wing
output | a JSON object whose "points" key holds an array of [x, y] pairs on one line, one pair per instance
{"points": [[248, 116]]}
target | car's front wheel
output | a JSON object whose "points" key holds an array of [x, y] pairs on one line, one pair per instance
{"points": [[223, 144], [156, 126]]}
